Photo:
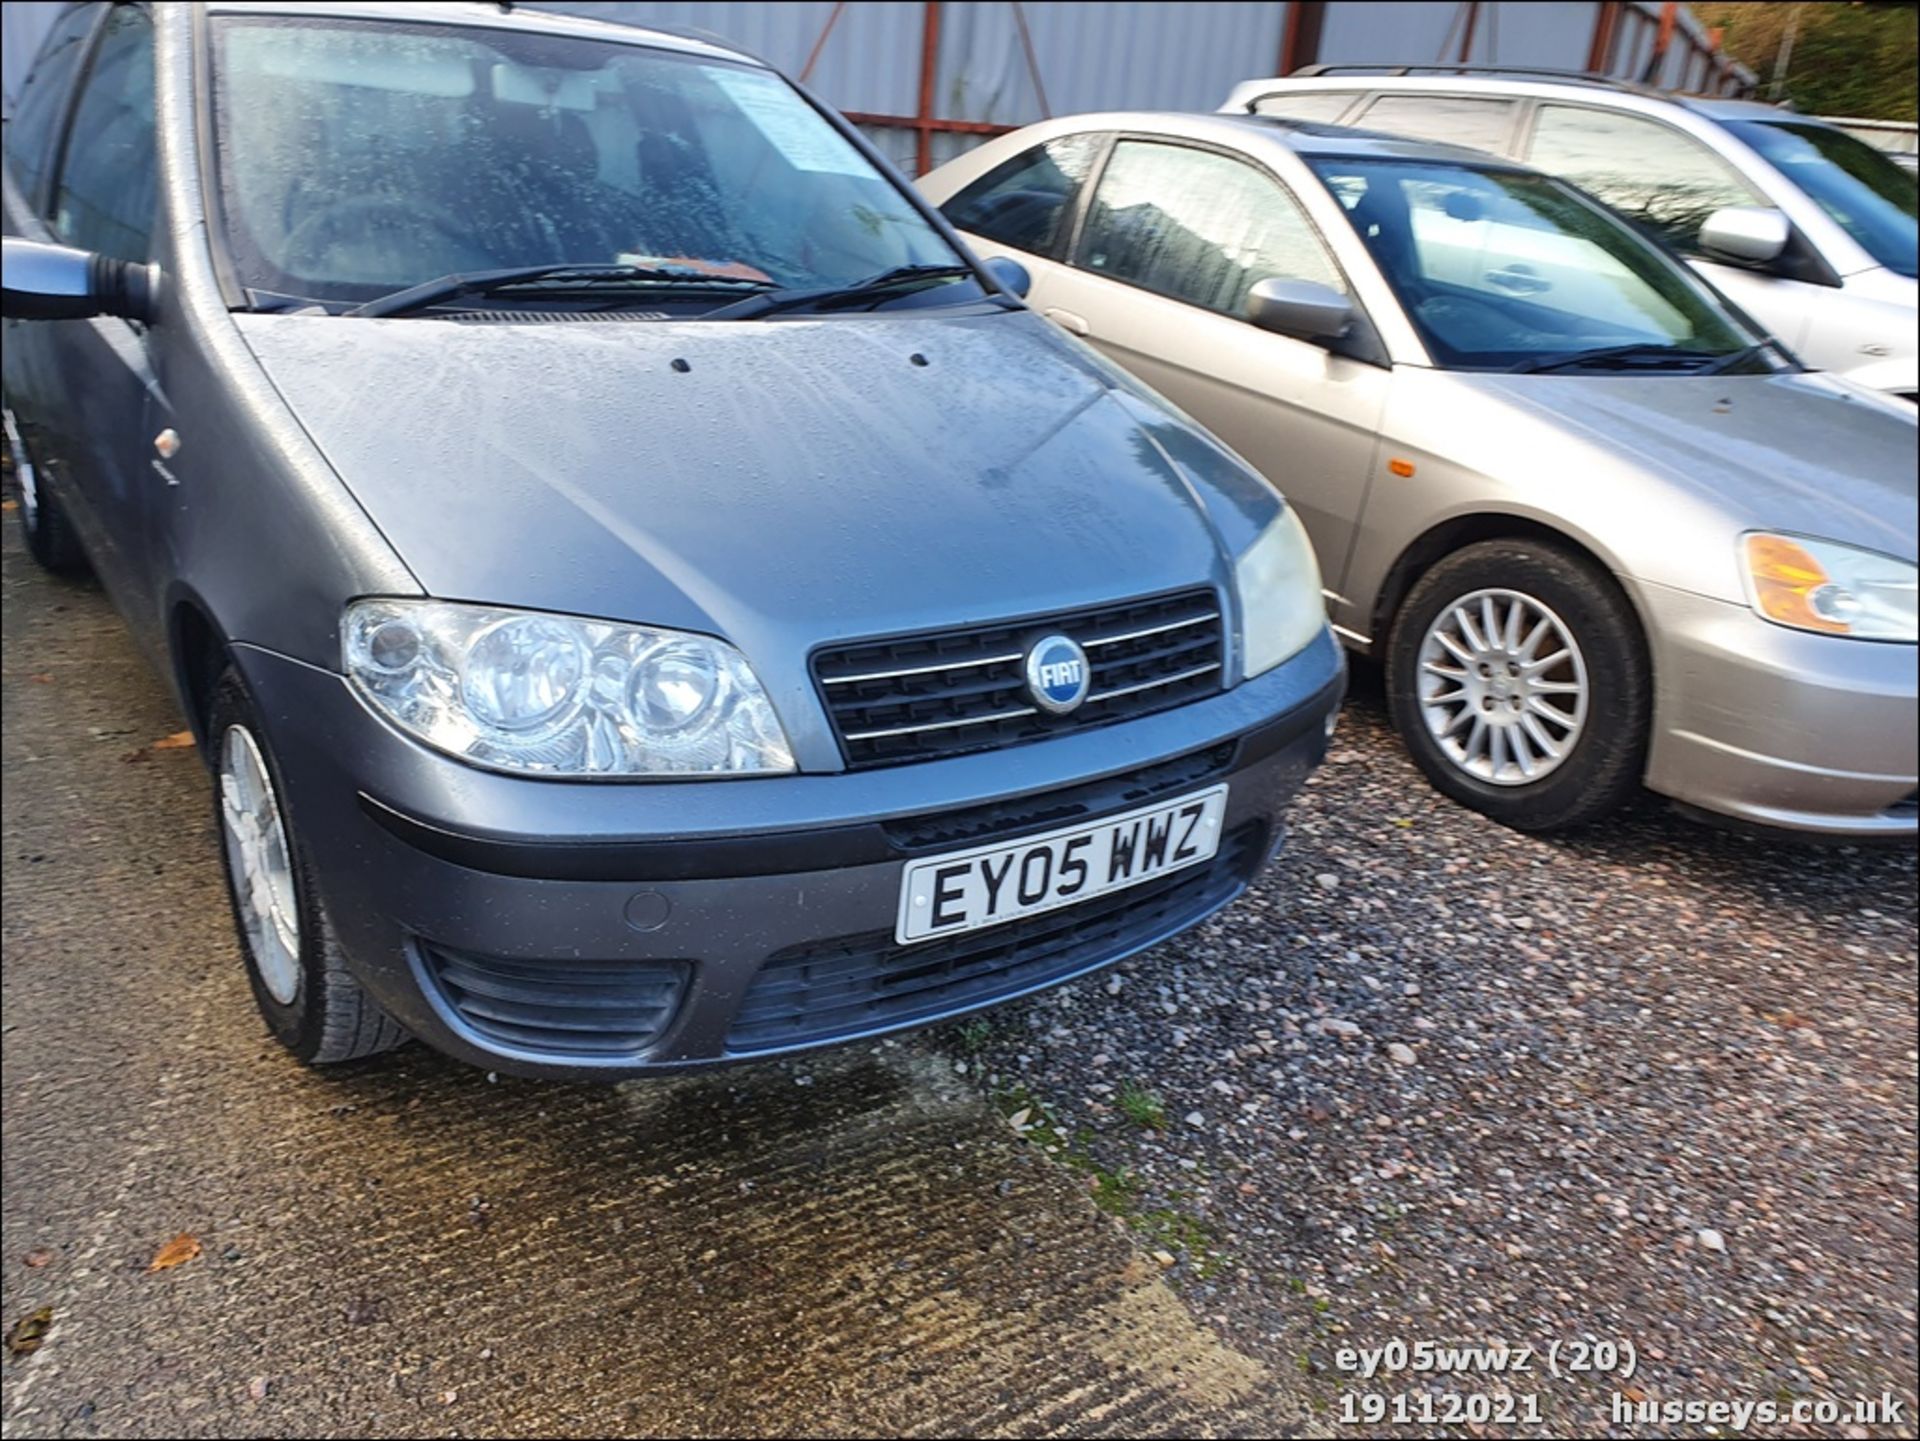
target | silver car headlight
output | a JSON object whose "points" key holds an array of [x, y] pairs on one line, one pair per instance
{"points": [[1280, 602], [1821, 585], [559, 695]]}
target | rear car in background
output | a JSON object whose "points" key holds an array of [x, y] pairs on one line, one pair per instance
{"points": [[649, 597], [1599, 528], [1809, 229]]}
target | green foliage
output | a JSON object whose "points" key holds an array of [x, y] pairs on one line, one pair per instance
{"points": [[1851, 57]]}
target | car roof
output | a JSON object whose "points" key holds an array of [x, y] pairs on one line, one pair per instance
{"points": [[1303, 137], [1538, 85], [496, 16]]}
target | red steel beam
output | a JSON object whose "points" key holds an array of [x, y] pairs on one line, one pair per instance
{"points": [[930, 125], [1300, 36], [1606, 31], [1472, 7], [929, 79]]}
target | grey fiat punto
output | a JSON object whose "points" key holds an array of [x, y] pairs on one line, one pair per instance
{"points": [[647, 595]]}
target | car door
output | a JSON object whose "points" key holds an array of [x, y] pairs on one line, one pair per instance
{"points": [[32, 393], [1173, 238], [103, 199], [1670, 183], [1023, 208]]}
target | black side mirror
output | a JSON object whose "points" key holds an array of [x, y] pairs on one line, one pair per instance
{"points": [[54, 282], [1011, 274]]}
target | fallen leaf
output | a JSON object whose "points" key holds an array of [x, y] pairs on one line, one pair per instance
{"points": [[41, 678], [181, 1248], [28, 1332], [178, 741], [1019, 1118], [257, 1388], [9, 505], [36, 1258], [135, 757]]}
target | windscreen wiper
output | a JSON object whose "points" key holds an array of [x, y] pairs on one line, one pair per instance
{"points": [[570, 278], [874, 288], [1618, 356], [1733, 360]]}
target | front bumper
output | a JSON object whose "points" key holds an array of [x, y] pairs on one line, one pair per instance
{"points": [[1780, 727], [596, 929]]}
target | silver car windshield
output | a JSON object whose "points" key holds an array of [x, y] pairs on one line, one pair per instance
{"points": [[357, 158], [1504, 270], [1866, 194]]}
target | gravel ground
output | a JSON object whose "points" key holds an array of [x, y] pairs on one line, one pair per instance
{"points": [[1433, 1080]]}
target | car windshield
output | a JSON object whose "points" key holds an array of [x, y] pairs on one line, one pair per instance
{"points": [[1866, 194], [1503, 270], [357, 158]]}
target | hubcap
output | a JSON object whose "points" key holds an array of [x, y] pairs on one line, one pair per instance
{"points": [[261, 866], [1503, 687], [23, 476]]}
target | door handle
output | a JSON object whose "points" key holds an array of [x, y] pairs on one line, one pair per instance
{"points": [[1068, 321]]}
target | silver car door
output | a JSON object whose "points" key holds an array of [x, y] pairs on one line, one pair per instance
{"points": [[1174, 238]]}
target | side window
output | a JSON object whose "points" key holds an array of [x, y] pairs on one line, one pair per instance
{"points": [[43, 98], [1450, 119], [105, 197], [1324, 106], [1198, 226], [1022, 202], [1648, 171]]}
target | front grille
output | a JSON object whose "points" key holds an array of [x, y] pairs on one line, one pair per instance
{"points": [[914, 697], [1012, 818], [581, 1008], [869, 983]]}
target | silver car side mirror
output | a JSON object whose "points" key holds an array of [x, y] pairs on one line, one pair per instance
{"points": [[1303, 309], [53, 282], [1751, 234]]}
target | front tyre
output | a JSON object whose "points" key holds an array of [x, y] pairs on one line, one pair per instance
{"points": [[1518, 677], [312, 1003]]}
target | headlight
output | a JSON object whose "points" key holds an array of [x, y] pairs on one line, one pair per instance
{"points": [[1821, 585], [1280, 601], [521, 691]]}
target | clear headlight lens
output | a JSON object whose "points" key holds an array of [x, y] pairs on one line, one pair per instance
{"points": [[1821, 585], [1280, 601], [559, 695]]}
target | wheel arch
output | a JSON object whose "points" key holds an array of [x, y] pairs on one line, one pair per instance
{"points": [[198, 651], [1443, 538]]}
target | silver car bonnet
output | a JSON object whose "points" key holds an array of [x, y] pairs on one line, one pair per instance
{"points": [[798, 482], [1658, 454]]}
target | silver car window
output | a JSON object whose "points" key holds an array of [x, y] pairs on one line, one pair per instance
{"points": [[1451, 119], [1198, 226], [356, 158], [1500, 268], [1647, 171], [1021, 202], [1326, 106]]}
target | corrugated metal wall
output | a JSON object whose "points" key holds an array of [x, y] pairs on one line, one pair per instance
{"points": [[1139, 55], [1133, 55]]}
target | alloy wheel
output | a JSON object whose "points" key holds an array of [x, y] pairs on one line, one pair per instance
{"points": [[1502, 687], [260, 863]]}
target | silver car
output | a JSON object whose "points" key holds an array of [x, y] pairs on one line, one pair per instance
{"points": [[1600, 530], [1824, 251]]}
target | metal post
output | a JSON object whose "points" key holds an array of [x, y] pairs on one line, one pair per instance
{"points": [[1785, 58], [1606, 31], [929, 79], [1472, 8], [813, 55], [1033, 64], [1300, 36]]}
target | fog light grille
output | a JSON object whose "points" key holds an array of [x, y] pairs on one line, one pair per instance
{"points": [[561, 1008]]}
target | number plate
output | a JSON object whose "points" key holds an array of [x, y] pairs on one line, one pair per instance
{"points": [[966, 890]]}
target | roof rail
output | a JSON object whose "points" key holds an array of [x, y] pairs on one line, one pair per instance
{"points": [[1534, 72]]}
